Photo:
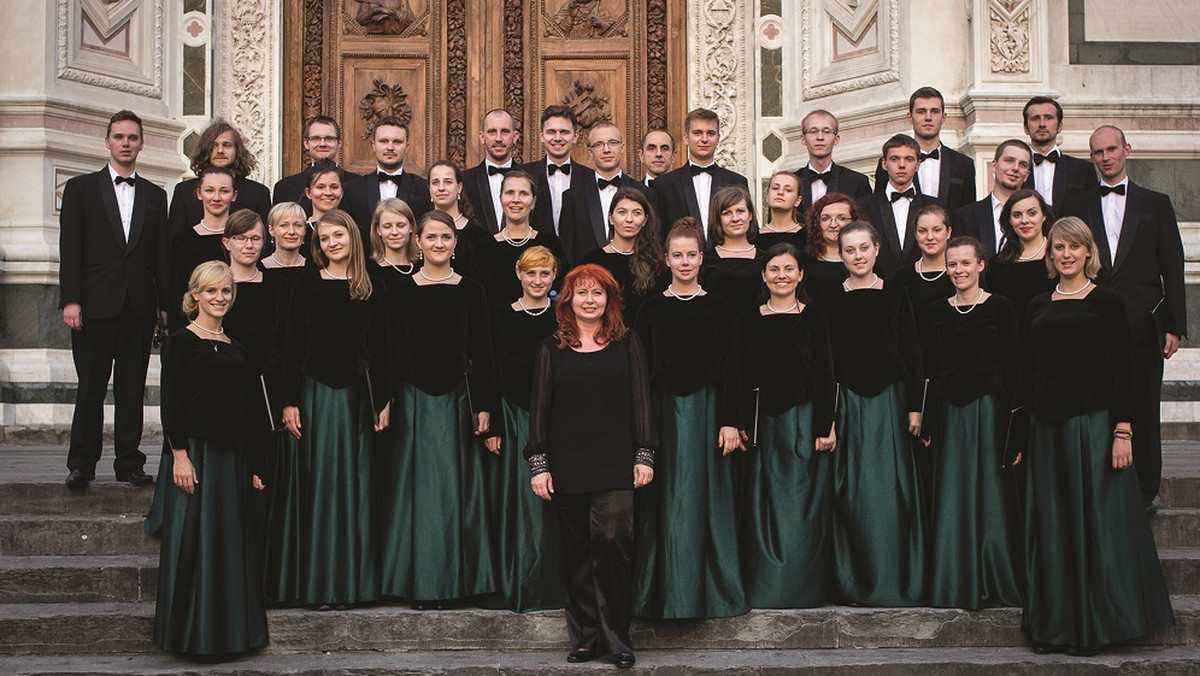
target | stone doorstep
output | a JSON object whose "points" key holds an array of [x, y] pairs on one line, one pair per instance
{"points": [[1128, 661], [72, 629]]}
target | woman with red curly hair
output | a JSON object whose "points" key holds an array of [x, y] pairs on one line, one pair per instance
{"points": [[590, 446], [824, 271]]}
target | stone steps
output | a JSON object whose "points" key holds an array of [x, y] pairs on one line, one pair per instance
{"points": [[1127, 661], [100, 497], [67, 535]]}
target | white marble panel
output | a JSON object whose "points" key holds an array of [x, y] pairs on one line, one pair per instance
{"points": [[1124, 21]]}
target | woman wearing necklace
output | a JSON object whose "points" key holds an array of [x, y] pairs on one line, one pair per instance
{"points": [[731, 269], [202, 241], [971, 352], [926, 279], [209, 599], [784, 222], [528, 556], [336, 377], [445, 190], [393, 243], [496, 256], [824, 272], [1018, 271], [634, 255], [786, 519], [324, 191], [879, 538], [437, 531], [687, 523], [286, 225], [1093, 572]]}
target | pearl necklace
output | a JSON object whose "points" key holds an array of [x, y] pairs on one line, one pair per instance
{"points": [[1058, 288], [722, 247], [826, 259], [921, 274], [284, 265], [252, 278], [333, 276], [767, 227], [218, 332], [432, 279], [623, 253], [1041, 252], [974, 305], [202, 225], [533, 313], [671, 291], [795, 306], [846, 284], [513, 242], [397, 267]]}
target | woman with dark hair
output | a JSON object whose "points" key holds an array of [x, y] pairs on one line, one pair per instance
{"points": [[687, 528], [825, 271], [926, 280], [590, 446], [496, 256], [209, 600], [437, 536], [731, 269], [200, 241], [879, 537], [219, 145], [784, 222], [1018, 271], [1094, 577], [446, 192], [336, 391], [634, 255], [787, 536], [971, 351]]}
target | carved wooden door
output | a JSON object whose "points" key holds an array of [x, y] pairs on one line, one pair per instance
{"points": [[441, 64]]}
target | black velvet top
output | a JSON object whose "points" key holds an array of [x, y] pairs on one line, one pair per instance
{"points": [[256, 321], [207, 390], [923, 292], [618, 265], [495, 265], [766, 240], [790, 362], [737, 280], [335, 339], [515, 336], [186, 209], [590, 413], [1019, 282], [973, 354], [822, 281], [471, 237], [875, 342], [1077, 357], [693, 344], [288, 276], [188, 249]]}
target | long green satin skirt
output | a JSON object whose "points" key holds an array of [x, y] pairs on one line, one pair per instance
{"points": [[284, 531], [1093, 570], [687, 549], [975, 548], [333, 505], [209, 582], [436, 538], [878, 536], [787, 525], [152, 524]]}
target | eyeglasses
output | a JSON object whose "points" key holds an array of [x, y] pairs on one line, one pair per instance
{"points": [[839, 218], [324, 139], [612, 143], [242, 239], [824, 131]]}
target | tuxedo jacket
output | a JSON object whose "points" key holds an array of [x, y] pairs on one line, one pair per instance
{"points": [[1149, 262], [360, 197], [543, 211], [1072, 176], [291, 189], [186, 209], [976, 220], [583, 225], [675, 194], [841, 179], [478, 191], [98, 268], [956, 184], [893, 253]]}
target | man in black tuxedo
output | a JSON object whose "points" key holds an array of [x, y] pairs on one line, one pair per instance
{"points": [[657, 154], [112, 252], [481, 183], [584, 225], [945, 174], [1057, 176], [894, 211], [686, 191], [555, 173], [1141, 254], [322, 141], [981, 220], [389, 142], [822, 175]]}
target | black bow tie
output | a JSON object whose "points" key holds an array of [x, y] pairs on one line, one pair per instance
{"points": [[1051, 157], [911, 193], [394, 178], [132, 180], [493, 170], [697, 169], [814, 176], [614, 182], [934, 154], [551, 168], [1105, 189]]}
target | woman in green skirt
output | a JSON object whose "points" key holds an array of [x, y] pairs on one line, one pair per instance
{"points": [[878, 533], [971, 348], [209, 582], [336, 390], [1094, 578], [687, 550], [527, 557], [786, 533], [437, 533]]}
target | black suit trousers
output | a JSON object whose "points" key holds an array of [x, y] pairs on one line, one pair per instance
{"points": [[120, 347], [596, 534], [1146, 386]]}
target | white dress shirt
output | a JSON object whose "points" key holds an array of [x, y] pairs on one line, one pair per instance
{"points": [[997, 207], [606, 197], [702, 182], [558, 182], [1113, 207], [125, 194], [900, 212], [388, 189], [929, 174], [818, 188], [494, 181], [1043, 177]]}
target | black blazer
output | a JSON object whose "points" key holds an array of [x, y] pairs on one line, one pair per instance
{"points": [[892, 253], [976, 220], [841, 179], [1072, 176], [360, 196], [187, 211], [956, 183], [291, 189], [583, 225], [97, 268], [478, 192], [675, 194], [1149, 263], [543, 211]]}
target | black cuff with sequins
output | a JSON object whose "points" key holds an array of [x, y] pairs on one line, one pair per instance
{"points": [[644, 456], [539, 463]]}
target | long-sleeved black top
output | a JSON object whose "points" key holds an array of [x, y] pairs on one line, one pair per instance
{"points": [[922, 292], [618, 265], [495, 265], [973, 354], [875, 342], [515, 337], [256, 320], [790, 361], [766, 240], [737, 280], [335, 339], [823, 280], [188, 249], [590, 413], [471, 237], [1077, 357], [693, 344], [1019, 282], [207, 390]]}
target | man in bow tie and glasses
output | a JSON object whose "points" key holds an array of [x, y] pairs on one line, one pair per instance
{"points": [[584, 226], [686, 191], [389, 143], [893, 212], [481, 183], [1056, 175], [945, 174], [822, 175]]}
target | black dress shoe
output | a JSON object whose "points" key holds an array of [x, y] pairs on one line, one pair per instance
{"points": [[1081, 651], [78, 480], [137, 477], [581, 655], [1047, 649], [624, 660]]}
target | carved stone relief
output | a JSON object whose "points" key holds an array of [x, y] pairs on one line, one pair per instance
{"points": [[656, 64], [382, 101], [1009, 36], [456, 81], [848, 45], [384, 17], [586, 19], [514, 67], [314, 17], [248, 50], [112, 44], [590, 107], [719, 72]]}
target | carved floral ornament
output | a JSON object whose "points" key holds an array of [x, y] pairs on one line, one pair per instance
{"points": [[1008, 27], [382, 101], [590, 107]]}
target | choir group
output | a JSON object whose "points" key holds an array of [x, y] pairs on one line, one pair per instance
{"points": [[381, 387]]}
